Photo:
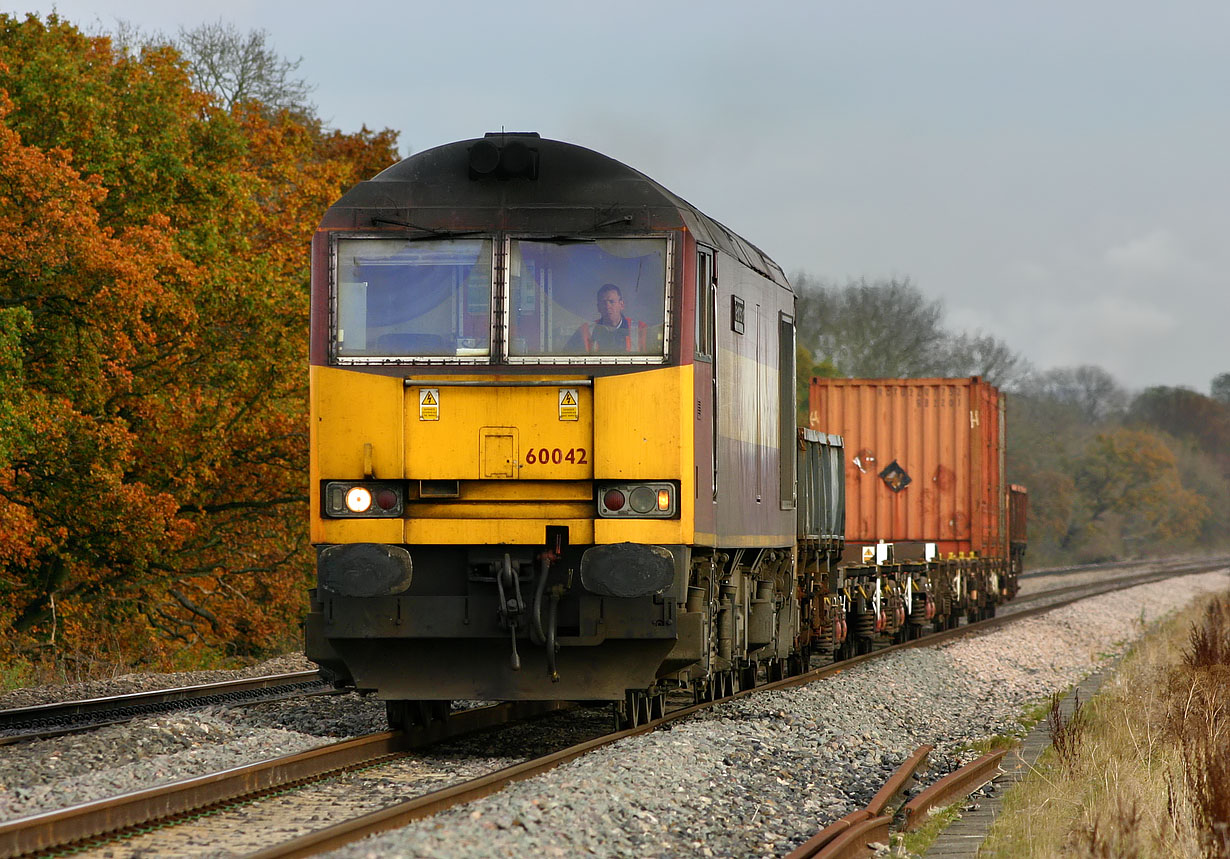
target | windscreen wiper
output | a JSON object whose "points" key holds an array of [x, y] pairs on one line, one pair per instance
{"points": [[431, 233], [567, 240]]}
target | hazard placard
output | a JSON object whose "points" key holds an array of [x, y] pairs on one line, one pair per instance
{"points": [[429, 404], [569, 404]]}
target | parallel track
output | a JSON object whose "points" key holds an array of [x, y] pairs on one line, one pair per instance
{"points": [[54, 829], [45, 720]]}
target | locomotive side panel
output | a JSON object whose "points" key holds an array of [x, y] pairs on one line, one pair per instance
{"points": [[755, 503]]}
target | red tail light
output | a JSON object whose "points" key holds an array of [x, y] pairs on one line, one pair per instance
{"points": [[386, 499]]}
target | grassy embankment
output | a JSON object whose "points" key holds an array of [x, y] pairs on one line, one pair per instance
{"points": [[1143, 768]]}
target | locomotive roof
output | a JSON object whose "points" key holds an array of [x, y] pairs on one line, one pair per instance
{"points": [[569, 189]]}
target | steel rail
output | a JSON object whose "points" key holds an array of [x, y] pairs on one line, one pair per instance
{"points": [[854, 840], [960, 782], [901, 778], [16, 716], [1116, 584], [1110, 566], [68, 826], [68, 716], [849, 835]]}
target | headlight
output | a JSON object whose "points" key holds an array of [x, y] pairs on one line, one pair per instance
{"points": [[366, 499], [358, 499], [637, 500]]}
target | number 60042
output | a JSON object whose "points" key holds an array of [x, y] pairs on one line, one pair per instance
{"points": [[556, 456]]}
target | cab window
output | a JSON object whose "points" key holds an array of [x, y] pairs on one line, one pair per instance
{"points": [[587, 300], [404, 299]]}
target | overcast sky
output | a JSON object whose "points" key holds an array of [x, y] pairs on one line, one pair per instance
{"points": [[1058, 173]]}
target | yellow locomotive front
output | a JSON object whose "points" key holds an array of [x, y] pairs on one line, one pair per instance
{"points": [[502, 430]]}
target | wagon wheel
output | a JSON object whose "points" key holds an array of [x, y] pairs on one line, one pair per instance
{"points": [[747, 676]]}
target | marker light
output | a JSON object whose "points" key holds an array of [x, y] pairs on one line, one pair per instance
{"points": [[664, 499], [641, 499], [386, 499], [358, 499], [614, 499]]}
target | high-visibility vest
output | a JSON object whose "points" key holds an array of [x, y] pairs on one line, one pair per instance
{"points": [[642, 335]]}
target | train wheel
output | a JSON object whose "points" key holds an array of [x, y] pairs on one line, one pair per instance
{"points": [[638, 708], [747, 676], [407, 715], [702, 690], [657, 706]]}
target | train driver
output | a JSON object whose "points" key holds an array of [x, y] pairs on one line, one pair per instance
{"points": [[611, 332]]}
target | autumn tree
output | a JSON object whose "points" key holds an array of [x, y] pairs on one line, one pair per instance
{"points": [[1187, 414], [1132, 475], [85, 305], [154, 272]]}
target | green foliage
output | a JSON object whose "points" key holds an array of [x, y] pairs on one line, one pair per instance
{"points": [[14, 432], [806, 369]]}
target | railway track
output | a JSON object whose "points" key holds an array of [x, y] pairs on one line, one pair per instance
{"points": [[48, 720], [72, 825], [1025, 599]]}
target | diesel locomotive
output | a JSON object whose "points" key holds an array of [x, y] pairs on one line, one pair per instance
{"points": [[554, 453]]}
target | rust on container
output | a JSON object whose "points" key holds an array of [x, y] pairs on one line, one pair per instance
{"points": [[925, 460]]}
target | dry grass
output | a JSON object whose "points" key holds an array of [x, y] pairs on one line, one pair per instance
{"points": [[1067, 732], [1143, 768]]}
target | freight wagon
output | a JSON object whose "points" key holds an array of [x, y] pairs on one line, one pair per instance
{"points": [[925, 474]]}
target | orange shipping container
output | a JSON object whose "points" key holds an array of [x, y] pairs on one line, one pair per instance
{"points": [[924, 460]]}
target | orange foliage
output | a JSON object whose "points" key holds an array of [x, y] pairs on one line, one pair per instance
{"points": [[154, 306], [1134, 474]]}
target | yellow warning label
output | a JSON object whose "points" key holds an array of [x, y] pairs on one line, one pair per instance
{"points": [[429, 404], [568, 405]]}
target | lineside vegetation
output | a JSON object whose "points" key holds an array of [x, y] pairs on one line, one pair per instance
{"points": [[1143, 768]]}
